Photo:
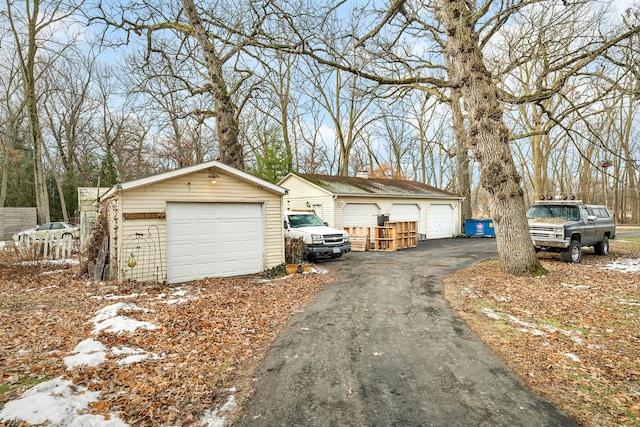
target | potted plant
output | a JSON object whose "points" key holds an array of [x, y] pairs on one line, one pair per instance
{"points": [[294, 255]]}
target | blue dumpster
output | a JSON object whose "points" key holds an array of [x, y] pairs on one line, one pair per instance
{"points": [[479, 228]]}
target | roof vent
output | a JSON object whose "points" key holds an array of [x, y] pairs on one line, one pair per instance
{"points": [[363, 173]]}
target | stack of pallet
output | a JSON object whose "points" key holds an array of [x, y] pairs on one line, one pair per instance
{"points": [[389, 237], [406, 233], [359, 238]]}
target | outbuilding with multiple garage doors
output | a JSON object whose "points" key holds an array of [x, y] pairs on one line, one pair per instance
{"points": [[359, 202], [207, 220]]}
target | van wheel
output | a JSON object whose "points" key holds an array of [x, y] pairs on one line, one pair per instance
{"points": [[602, 248], [573, 253]]}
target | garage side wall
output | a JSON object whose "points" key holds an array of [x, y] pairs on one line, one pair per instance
{"points": [[304, 196], [143, 213]]}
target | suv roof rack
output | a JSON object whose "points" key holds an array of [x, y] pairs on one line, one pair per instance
{"points": [[558, 202]]}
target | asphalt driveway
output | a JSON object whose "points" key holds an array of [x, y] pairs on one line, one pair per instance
{"points": [[381, 348]]}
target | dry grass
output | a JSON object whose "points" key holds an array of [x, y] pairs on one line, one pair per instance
{"points": [[573, 335]]}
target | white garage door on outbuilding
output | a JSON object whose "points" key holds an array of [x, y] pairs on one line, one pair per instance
{"points": [[440, 221], [214, 240], [360, 215]]}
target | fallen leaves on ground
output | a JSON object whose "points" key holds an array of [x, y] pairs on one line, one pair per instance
{"points": [[206, 337], [573, 336]]}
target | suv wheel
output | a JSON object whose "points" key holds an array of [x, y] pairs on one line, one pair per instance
{"points": [[573, 253], [602, 248]]}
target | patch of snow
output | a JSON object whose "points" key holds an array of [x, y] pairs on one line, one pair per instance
{"points": [[41, 289], [58, 403], [499, 298], [178, 301], [89, 346], [113, 310], [134, 355], [575, 287], [133, 359], [182, 297], [121, 324], [88, 352], [216, 417], [572, 356], [627, 265], [491, 314], [117, 297], [108, 320], [319, 270]]}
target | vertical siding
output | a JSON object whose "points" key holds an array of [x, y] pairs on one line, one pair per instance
{"points": [[196, 187]]}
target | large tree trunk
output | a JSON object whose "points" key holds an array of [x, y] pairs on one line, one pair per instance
{"points": [[225, 110], [462, 156], [42, 196], [489, 137]]}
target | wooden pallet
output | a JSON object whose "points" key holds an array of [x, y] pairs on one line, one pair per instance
{"points": [[359, 238], [406, 233], [392, 236], [384, 239]]}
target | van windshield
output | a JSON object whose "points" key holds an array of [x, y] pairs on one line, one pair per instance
{"points": [[571, 213], [296, 221]]}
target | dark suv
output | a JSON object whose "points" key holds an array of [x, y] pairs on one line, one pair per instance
{"points": [[565, 226]]}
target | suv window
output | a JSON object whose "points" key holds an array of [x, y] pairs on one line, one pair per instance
{"points": [[584, 213], [600, 211], [554, 211]]}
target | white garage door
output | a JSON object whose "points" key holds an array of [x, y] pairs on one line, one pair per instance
{"points": [[214, 240], [404, 212], [439, 221], [360, 215]]}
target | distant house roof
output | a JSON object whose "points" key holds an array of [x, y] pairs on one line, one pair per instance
{"points": [[356, 186]]}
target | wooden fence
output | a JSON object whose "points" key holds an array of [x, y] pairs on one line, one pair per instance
{"points": [[49, 248]]}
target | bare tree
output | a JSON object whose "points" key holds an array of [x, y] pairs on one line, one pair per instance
{"points": [[213, 40], [11, 117]]}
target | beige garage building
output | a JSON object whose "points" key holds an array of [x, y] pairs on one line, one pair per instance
{"points": [[357, 201], [207, 220]]}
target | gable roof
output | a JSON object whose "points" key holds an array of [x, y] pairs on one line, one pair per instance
{"points": [[214, 165], [356, 186]]}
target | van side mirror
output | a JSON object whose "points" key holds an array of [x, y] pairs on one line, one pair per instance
{"points": [[592, 218], [286, 225], [326, 223]]}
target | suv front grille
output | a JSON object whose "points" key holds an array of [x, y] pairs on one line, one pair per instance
{"points": [[542, 232]]}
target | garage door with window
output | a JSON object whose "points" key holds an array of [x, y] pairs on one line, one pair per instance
{"points": [[360, 215], [214, 240], [439, 221]]}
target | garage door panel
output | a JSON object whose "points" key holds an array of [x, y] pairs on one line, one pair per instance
{"points": [[214, 240], [404, 212], [360, 215], [440, 221]]}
